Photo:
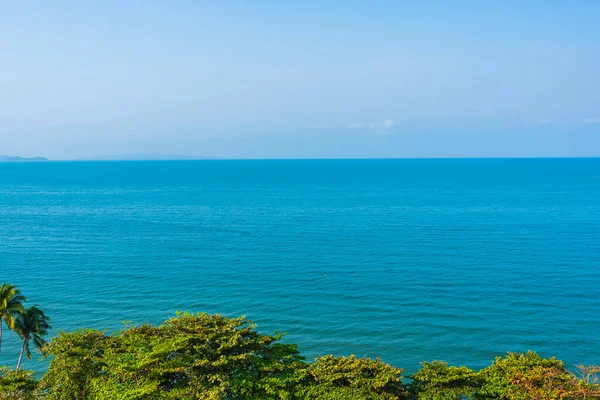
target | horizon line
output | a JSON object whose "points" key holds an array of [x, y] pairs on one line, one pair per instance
{"points": [[28, 160]]}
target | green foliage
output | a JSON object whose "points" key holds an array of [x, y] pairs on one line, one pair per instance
{"points": [[329, 392], [77, 359], [201, 356], [332, 377], [587, 382], [11, 304], [515, 377], [190, 356], [525, 376], [438, 381], [31, 325], [17, 385]]}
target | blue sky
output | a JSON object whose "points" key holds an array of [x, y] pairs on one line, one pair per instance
{"points": [[300, 79]]}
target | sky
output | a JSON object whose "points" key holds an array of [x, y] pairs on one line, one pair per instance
{"points": [[301, 79]]}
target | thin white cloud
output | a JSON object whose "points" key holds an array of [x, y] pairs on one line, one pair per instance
{"points": [[539, 121], [554, 121], [591, 121], [387, 126]]}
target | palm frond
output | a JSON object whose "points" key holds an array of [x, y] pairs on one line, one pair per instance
{"points": [[11, 300], [38, 341], [32, 323]]}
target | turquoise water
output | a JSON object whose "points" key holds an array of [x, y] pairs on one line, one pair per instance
{"points": [[408, 260]]}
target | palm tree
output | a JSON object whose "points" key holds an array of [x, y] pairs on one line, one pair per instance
{"points": [[11, 303], [31, 324]]}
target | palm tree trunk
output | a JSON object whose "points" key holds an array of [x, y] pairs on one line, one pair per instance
{"points": [[1, 335], [22, 351]]}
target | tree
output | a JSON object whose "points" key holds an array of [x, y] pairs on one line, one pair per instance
{"points": [[191, 356], [76, 360], [586, 382], [332, 378], [11, 303], [31, 325], [17, 385], [202, 356], [526, 376], [438, 381]]}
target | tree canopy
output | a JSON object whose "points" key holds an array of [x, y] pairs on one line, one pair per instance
{"points": [[202, 356]]}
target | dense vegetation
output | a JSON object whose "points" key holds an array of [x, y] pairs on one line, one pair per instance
{"points": [[202, 356]]}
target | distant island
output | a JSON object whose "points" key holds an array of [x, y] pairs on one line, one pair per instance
{"points": [[146, 157], [127, 157], [4, 158]]}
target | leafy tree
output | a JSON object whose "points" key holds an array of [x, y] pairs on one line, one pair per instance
{"points": [[31, 325], [587, 382], [525, 376], [329, 392], [201, 356], [17, 385], [11, 303], [438, 381], [332, 378], [190, 356], [77, 359]]}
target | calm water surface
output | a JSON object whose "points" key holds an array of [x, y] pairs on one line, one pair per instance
{"points": [[408, 260]]}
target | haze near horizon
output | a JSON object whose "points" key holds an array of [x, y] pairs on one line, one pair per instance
{"points": [[305, 80]]}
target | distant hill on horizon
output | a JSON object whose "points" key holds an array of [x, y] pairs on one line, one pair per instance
{"points": [[5, 158], [146, 157]]}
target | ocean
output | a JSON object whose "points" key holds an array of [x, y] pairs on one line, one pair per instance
{"points": [[407, 260]]}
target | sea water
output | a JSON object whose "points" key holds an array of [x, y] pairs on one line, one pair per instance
{"points": [[406, 260]]}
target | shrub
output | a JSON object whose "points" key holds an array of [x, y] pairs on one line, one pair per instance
{"points": [[438, 381], [332, 377], [17, 384], [528, 376]]}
